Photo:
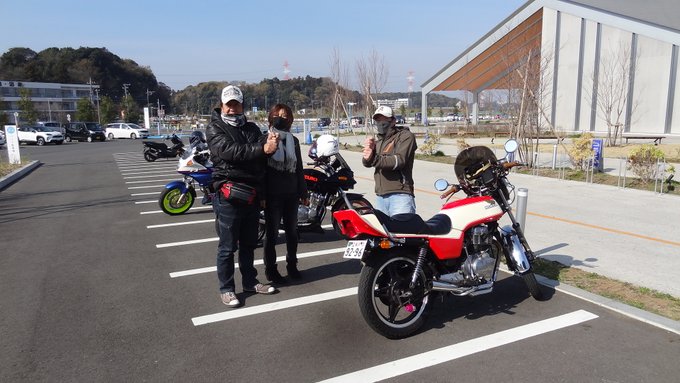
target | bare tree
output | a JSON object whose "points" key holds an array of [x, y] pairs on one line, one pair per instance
{"points": [[372, 73], [340, 78], [609, 86]]}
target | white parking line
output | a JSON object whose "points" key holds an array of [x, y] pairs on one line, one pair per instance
{"points": [[204, 240], [145, 187], [141, 194], [183, 243], [160, 211], [145, 181], [210, 269], [179, 223], [133, 173], [459, 350], [143, 202], [242, 312], [150, 176]]}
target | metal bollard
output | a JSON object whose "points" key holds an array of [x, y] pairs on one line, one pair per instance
{"points": [[554, 159], [521, 213]]}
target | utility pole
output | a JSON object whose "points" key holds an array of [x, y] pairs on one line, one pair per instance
{"points": [[148, 93], [99, 117], [125, 90], [90, 83]]}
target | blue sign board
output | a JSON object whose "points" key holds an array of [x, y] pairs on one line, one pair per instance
{"points": [[597, 147]]}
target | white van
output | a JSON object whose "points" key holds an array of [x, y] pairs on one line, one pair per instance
{"points": [[125, 130]]}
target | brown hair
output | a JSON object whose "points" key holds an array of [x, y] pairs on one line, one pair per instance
{"points": [[274, 112]]}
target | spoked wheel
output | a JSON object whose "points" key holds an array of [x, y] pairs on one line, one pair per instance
{"points": [[149, 157], [360, 204], [172, 201], [387, 303]]}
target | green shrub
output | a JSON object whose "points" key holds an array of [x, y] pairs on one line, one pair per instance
{"points": [[643, 162], [580, 151], [429, 147]]}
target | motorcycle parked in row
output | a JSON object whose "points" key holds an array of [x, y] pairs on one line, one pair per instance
{"points": [[406, 260], [194, 164], [328, 179], [154, 150]]}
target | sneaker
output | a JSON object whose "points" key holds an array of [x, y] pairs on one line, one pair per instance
{"points": [[261, 289], [229, 299]]}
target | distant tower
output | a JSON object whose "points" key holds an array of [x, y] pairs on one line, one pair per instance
{"points": [[410, 79], [286, 70]]}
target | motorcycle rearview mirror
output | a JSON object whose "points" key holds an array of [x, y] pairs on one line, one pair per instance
{"points": [[441, 184], [511, 146]]}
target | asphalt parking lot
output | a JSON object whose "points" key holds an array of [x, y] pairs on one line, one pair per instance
{"points": [[99, 285]]}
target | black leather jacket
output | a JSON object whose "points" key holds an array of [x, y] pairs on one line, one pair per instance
{"points": [[237, 153]]}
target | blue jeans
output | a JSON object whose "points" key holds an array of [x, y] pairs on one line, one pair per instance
{"points": [[286, 207], [236, 226], [396, 203]]}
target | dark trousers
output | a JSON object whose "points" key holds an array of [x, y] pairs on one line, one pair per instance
{"points": [[286, 207], [236, 226]]}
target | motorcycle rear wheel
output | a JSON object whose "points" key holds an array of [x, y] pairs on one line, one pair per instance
{"points": [[387, 303], [171, 202], [360, 204], [149, 157]]}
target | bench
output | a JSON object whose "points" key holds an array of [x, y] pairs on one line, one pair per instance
{"points": [[657, 139]]}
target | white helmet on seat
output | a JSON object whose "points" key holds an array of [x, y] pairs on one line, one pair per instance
{"points": [[326, 145]]}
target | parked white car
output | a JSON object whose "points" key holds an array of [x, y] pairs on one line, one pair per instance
{"points": [[125, 130], [39, 135]]}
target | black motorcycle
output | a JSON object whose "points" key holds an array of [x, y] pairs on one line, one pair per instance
{"points": [[328, 179], [154, 150]]}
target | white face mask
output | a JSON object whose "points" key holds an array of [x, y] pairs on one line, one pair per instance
{"points": [[235, 120]]}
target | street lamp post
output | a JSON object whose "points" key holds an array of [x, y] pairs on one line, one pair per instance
{"points": [[350, 105]]}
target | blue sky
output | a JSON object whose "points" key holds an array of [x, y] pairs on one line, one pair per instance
{"points": [[187, 42]]}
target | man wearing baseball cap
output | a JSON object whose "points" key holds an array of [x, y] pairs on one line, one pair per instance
{"points": [[239, 152], [392, 155]]}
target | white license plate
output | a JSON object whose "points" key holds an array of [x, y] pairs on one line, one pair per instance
{"points": [[355, 249]]}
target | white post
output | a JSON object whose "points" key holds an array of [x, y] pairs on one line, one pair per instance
{"points": [[521, 213]]}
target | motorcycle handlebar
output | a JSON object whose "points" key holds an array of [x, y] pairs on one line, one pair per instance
{"points": [[454, 189], [510, 165]]}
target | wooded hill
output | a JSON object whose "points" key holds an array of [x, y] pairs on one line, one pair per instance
{"points": [[110, 72]]}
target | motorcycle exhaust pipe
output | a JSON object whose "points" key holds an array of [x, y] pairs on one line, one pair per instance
{"points": [[517, 253], [462, 291]]}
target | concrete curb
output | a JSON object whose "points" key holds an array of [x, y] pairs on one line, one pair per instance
{"points": [[18, 174], [610, 304]]}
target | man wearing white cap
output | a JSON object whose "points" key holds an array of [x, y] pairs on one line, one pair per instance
{"points": [[392, 156], [239, 152]]}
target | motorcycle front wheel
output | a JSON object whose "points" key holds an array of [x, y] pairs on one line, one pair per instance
{"points": [[359, 204], [172, 202], [532, 285], [387, 303]]}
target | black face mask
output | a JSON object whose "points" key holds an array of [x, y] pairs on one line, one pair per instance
{"points": [[280, 123], [383, 126]]}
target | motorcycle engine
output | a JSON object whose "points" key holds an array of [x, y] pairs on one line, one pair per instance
{"points": [[479, 265], [307, 213]]}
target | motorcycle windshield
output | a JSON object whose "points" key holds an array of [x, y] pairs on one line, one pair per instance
{"points": [[471, 159]]}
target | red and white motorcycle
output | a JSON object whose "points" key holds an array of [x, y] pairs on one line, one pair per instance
{"points": [[406, 259]]}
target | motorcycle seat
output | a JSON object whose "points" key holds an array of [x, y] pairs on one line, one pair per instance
{"points": [[155, 145], [414, 224]]}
